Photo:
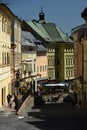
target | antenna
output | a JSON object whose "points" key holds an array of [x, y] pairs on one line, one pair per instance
{"points": [[41, 8]]}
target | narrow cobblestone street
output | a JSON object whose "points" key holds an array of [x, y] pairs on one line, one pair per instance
{"points": [[51, 116]]}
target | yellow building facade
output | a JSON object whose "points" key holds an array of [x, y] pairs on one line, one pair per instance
{"points": [[6, 17], [61, 61], [51, 62]]}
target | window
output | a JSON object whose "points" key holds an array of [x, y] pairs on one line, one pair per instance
{"points": [[5, 57], [6, 26], [38, 69], [8, 58], [30, 67], [34, 67], [45, 67], [51, 60], [3, 25], [2, 58]]}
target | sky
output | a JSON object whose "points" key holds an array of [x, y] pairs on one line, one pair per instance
{"points": [[66, 14]]}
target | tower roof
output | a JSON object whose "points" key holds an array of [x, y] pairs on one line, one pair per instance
{"points": [[41, 14]]}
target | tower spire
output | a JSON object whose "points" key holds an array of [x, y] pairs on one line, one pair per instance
{"points": [[41, 9], [41, 14]]}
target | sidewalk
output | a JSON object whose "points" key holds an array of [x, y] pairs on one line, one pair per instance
{"points": [[6, 110]]}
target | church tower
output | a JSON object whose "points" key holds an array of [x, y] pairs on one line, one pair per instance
{"points": [[41, 15]]}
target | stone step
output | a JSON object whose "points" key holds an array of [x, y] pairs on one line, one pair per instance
{"points": [[7, 113]]}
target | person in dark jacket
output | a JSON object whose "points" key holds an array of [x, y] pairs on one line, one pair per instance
{"points": [[75, 99], [8, 99], [16, 102]]}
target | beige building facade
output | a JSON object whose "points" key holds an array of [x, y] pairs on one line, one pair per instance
{"points": [[17, 41], [6, 17], [16, 61], [28, 62], [29, 71]]}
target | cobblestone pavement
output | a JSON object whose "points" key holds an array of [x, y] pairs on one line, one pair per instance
{"points": [[51, 116]]}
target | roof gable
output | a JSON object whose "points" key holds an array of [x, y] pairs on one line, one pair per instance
{"points": [[49, 32], [39, 30]]}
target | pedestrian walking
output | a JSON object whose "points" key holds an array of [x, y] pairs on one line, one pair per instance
{"points": [[75, 99], [11, 102], [16, 102], [8, 99]]}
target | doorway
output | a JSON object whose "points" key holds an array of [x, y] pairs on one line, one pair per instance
{"points": [[3, 95]]}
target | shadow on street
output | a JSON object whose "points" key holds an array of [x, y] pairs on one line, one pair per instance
{"points": [[59, 116]]}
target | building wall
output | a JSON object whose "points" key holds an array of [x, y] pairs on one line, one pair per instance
{"points": [[64, 61], [84, 72], [5, 48], [28, 61], [51, 61], [77, 55], [17, 42], [5, 88], [59, 62], [77, 64], [42, 63], [69, 63], [16, 39]]}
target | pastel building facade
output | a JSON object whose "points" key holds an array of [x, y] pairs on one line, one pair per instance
{"points": [[6, 17], [41, 61], [16, 61]]}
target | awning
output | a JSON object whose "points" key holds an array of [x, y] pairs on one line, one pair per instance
{"points": [[42, 79], [57, 84]]}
